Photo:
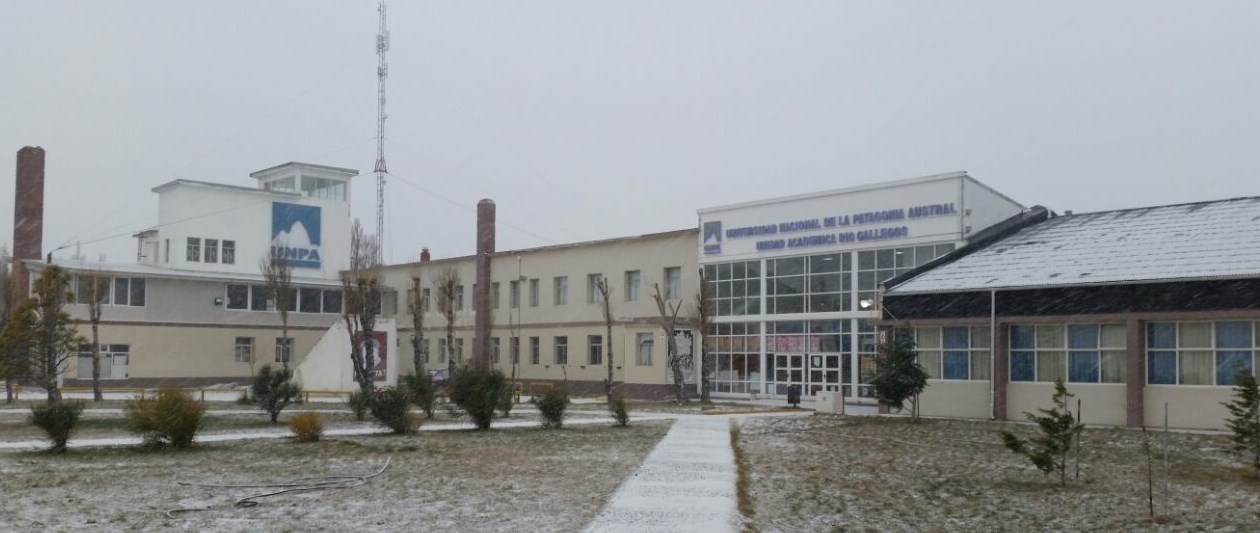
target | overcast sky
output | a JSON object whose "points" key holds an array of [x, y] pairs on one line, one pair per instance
{"points": [[587, 120]]}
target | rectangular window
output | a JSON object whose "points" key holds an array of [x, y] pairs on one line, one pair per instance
{"points": [[166, 251], [954, 352], [309, 300], [1201, 353], [1075, 353], [535, 351], [137, 292], [459, 350], [459, 297], [424, 354], [515, 348], [212, 251], [424, 294], [441, 350], [494, 350], [284, 349], [514, 294], [122, 291], [735, 288], [259, 299], [237, 296], [673, 283], [561, 284], [533, 292], [562, 350], [332, 301], [494, 295], [644, 342], [228, 256], [194, 250], [244, 349], [633, 280], [596, 354], [592, 289]]}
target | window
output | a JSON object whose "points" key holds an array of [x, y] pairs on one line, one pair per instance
{"points": [[514, 294], [592, 289], [128, 292], [960, 352], [459, 297], [673, 283], [494, 350], [332, 301], [113, 360], [459, 350], [533, 292], [425, 296], [633, 280], [819, 284], [244, 349], [237, 296], [194, 249], [424, 354], [1200, 353], [1079, 353], [561, 284], [494, 295], [734, 287], [137, 293], [535, 351], [644, 342], [596, 354], [877, 266], [166, 251], [212, 251], [441, 350], [259, 300], [82, 288], [562, 350], [735, 351], [515, 348], [310, 300], [228, 256], [284, 349]]}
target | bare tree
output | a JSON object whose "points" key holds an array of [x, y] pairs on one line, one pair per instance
{"points": [[668, 321], [417, 301], [93, 290], [447, 285], [361, 295], [42, 324], [277, 272], [704, 323], [8, 354], [601, 286]]}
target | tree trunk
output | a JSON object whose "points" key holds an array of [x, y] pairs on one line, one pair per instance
{"points": [[704, 372], [680, 387], [284, 334], [608, 384], [450, 350], [96, 364], [8, 389]]}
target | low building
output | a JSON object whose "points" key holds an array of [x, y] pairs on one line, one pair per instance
{"points": [[1136, 310]]}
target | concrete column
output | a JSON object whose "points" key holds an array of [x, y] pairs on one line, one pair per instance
{"points": [[28, 216], [1000, 374], [481, 296], [1135, 373]]}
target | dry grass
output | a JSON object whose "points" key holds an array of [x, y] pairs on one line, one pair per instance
{"points": [[498, 480], [825, 473]]}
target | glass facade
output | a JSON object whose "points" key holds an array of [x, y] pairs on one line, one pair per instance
{"points": [[1201, 353]]}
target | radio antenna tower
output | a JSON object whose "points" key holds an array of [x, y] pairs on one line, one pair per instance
{"points": [[382, 72]]}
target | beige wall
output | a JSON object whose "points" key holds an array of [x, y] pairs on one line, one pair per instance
{"points": [[1101, 403], [963, 399], [1195, 407]]}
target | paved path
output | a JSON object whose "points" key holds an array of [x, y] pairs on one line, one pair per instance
{"points": [[687, 483]]}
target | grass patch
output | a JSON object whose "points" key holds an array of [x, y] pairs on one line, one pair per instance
{"points": [[743, 497]]}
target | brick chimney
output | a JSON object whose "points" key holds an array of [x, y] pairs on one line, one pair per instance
{"points": [[424, 255], [481, 299], [28, 217]]}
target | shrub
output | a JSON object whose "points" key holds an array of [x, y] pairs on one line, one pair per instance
{"points": [[477, 391], [552, 404], [1244, 420], [57, 419], [359, 403], [506, 400], [421, 390], [620, 410], [1049, 450], [307, 427], [392, 408], [171, 418], [274, 389]]}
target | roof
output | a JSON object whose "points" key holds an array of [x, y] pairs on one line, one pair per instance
{"points": [[1204, 240], [153, 271], [673, 234], [961, 174], [224, 187], [340, 170]]}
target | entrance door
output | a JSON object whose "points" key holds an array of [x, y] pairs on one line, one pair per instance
{"points": [[789, 369], [824, 373], [119, 365]]}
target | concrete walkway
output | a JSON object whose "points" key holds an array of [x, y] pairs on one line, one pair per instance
{"points": [[687, 483]]}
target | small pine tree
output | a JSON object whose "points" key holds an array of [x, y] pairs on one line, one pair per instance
{"points": [[898, 376], [1049, 451], [274, 389], [1244, 419]]}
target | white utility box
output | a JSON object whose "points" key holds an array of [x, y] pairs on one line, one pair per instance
{"points": [[829, 402]]}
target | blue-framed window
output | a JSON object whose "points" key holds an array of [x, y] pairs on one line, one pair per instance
{"points": [[954, 352], [1201, 353], [1076, 353]]}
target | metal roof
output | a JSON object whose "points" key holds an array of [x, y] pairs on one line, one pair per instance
{"points": [[1204, 240]]}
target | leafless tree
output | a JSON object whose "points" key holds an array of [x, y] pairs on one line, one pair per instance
{"points": [[668, 321], [417, 301], [601, 286], [8, 354], [93, 290], [361, 295], [42, 325], [447, 285], [277, 272], [704, 323]]}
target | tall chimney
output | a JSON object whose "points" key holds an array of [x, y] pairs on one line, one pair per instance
{"points": [[481, 298], [28, 217], [424, 255]]}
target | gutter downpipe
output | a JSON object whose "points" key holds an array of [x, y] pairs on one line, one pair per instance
{"points": [[992, 354]]}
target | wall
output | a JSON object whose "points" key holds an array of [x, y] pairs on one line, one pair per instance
{"points": [[962, 399], [1100, 403], [1193, 407], [987, 206]]}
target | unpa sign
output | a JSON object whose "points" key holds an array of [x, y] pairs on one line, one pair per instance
{"points": [[295, 234]]}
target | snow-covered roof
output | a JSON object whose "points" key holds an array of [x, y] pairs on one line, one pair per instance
{"points": [[155, 271], [1219, 239]]}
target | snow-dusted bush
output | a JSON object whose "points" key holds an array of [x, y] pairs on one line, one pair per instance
{"points": [[57, 419]]}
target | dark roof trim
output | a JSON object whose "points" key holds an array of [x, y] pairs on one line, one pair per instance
{"points": [[693, 232], [992, 234], [349, 171]]}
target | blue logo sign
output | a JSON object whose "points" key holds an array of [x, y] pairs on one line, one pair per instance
{"points": [[295, 234], [712, 237]]}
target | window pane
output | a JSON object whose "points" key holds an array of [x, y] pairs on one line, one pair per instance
{"points": [[824, 263], [1161, 335], [1196, 367], [1022, 364], [1083, 336], [789, 267], [956, 365], [1113, 336], [1194, 335], [819, 303], [1022, 338], [1161, 368], [789, 304], [332, 302], [1230, 364], [1049, 337], [309, 300], [258, 298], [122, 290], [1083, 367], [1050, 365], [1233, 335], [956, 338], [980, 337], [1112, 366], [238, 297], [980, 365], [929, 338], [137, 292]]}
